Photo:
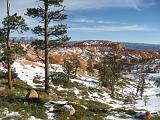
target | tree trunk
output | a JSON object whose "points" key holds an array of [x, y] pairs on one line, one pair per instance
{"points": [[112, 89], [8, 48], [9, 76], [68, 75], [142, 88], [75, 73], [46, 49]]}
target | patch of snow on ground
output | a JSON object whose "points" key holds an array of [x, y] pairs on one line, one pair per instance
{"points": [[153, 101], [76, 91], [28, 72], [33, 118], [151, 92], [88, 82], [7, 114], [56, 68], [111, 117], [59, 102]]}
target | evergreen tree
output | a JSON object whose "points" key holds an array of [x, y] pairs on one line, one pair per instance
{"points": [[157, 83], [11, 23], [50, 11], [141, 84], [110, 71], [76, 64], [68, 68], [90, 67]]}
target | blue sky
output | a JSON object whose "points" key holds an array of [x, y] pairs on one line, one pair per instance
{"points": [[115, 20]]}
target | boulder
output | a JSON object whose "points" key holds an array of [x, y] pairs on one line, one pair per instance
{"points": [[72, 111], [69, 109], [147, 116], [32, 95], [143, 116], [31, 57], [140, 115]]}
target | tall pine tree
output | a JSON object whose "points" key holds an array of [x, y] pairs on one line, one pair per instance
{"points": [[11, 23], [50, 15]]}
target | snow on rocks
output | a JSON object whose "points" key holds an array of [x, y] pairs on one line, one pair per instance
{"points": [[69, 108], [49, 112]]}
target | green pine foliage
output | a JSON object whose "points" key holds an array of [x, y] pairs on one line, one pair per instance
{"points": [[9, 49], [51, 16], [110, 72], [68, 68]]}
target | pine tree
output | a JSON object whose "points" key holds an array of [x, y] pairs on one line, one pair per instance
{"points": [[76, 64], [50, 11], [11, 23], [90, 68], [141, 84], [157, 83], [68, 68], [110, 71]]}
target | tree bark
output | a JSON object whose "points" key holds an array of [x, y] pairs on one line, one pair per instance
{"points": [[8, 48], [46, 49]]}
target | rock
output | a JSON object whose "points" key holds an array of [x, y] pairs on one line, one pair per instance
{"points": [[72, 111], [2, 89], [66, 108], [143, 116], [147, 116], [32, 95], [75, 91], [53, 96], [69, 109], [140, 115], [31, 57]]}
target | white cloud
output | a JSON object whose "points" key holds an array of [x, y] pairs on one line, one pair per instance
{"points": [[21, 5], [83, 20], [112, 28], [86, 20], [97, 4], [94, 21]]}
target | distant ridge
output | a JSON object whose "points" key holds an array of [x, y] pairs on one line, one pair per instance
{"points": [[135, 46], [141, 46]]}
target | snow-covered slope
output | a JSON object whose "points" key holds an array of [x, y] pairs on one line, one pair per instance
{"points": [[27, 70]]}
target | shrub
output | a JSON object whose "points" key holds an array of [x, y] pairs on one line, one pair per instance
{"points": [[36, 79], [59, 78], [155, 117], [16, 103], [3, 75], [129, 100]]}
